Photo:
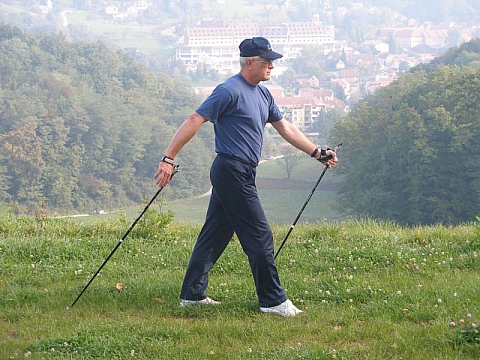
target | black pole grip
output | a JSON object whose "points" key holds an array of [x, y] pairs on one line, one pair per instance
{"points": [[324, 159]]}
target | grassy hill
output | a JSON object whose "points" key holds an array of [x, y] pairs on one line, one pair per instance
{"points": [[369, 290]]}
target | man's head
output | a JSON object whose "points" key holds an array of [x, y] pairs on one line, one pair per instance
{"points": [[258, 46], [256, 59]]}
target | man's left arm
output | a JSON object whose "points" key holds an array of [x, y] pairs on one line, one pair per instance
{"points": [[298, 139]]}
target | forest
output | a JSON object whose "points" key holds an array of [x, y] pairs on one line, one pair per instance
{"points": [[83, 127], [413, 153]]}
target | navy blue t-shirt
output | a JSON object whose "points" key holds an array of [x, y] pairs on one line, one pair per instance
{"points": [[239, 112]]}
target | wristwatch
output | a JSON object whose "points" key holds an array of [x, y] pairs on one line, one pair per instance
{"points": [[168, 160]]}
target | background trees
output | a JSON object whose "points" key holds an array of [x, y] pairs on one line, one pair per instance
{"points": [[412, 151], [83, 127]]}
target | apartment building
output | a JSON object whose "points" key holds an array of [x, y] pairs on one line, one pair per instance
{"points": [[291, 38], [436, 37], [297, 110], [303, 111], [410, 37], [216, 44]]}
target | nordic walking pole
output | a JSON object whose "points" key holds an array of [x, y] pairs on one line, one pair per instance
{"points": [[304, 206], [175, 170]]}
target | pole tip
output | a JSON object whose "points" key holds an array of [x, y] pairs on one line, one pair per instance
{"points": [[68, 308]]}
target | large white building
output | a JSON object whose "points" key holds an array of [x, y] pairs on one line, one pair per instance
{"points": [[216, 45]]}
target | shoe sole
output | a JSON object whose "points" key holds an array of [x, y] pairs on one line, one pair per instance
{"points": [[184, 303]]}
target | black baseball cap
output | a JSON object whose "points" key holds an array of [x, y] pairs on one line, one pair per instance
{"points": [[258, 46]]}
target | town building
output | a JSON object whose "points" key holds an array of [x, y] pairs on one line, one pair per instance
{"points": [[305, 109], [215, 45]]}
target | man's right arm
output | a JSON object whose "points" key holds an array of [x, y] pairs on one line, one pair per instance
{"points": [[184, 134]]}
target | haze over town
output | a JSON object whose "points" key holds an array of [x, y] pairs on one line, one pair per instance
{"points": [[335, 52]]}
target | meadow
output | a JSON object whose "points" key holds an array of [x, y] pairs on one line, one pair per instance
{"points": [[369, 290], [281, 198]]}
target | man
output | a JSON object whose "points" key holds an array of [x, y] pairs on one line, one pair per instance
{"points": [[239, 110]]}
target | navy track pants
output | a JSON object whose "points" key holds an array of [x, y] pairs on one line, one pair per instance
{"points": [[234, 208]]}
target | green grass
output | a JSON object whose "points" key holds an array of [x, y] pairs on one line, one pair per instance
{"points": [[281, 207], [281, 198], [369, 290]]}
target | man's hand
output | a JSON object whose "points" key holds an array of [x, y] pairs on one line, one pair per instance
{"points": [[329, 159], [164, 173]]}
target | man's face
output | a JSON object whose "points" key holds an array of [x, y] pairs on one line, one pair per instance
{"points": [[262, 68]]}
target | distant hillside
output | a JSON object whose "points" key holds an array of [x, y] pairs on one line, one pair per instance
{"points": [[467, 54], [83, 127], [412, 150]]}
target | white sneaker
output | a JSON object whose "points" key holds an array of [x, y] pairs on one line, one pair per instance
{"points": [[206, 301], [284, 309]]}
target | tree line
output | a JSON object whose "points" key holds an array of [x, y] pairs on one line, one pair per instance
{"points": [[83, 127], [412, 150]]}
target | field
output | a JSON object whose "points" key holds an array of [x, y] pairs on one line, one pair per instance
{"points": [[154, 39], [369, 290], [281, 206], [282, 199]]}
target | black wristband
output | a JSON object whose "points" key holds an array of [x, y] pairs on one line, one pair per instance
{"points": [[323, 156], [168, 160], [314, 153]]}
